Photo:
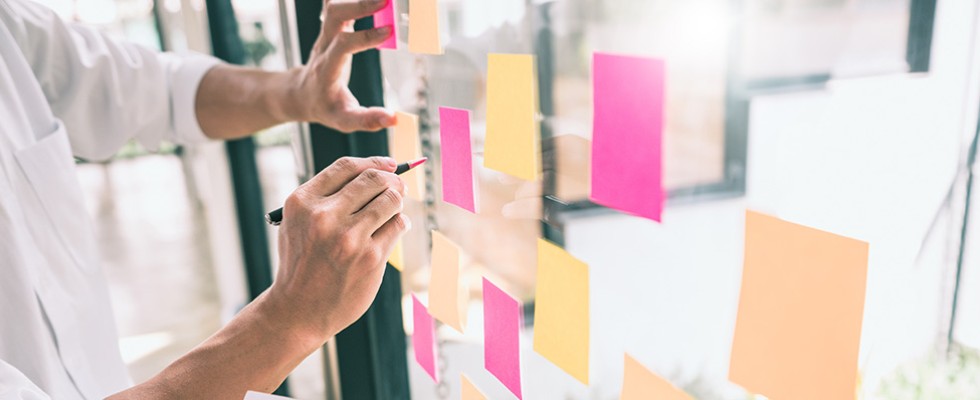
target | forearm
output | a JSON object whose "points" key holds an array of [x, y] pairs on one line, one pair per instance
{"points": [[256, 351], [234, 102]]}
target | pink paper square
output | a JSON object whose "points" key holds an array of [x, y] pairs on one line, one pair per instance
{"points": [[502, 321], [627, 165], [386, 17], [457, 158], [424, 338]]}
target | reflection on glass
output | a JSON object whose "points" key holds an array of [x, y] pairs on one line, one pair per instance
{"points": [[510, 209], [693, 36], [421, 84], [800, 38]]}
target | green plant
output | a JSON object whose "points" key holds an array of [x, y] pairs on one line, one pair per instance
{"points": [[955, 376]]}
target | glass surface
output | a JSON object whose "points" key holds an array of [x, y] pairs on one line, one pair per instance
{"points": [[841, 38], [471, 30], [510, 208], [693, 36], [499, 242], [705, 43]]}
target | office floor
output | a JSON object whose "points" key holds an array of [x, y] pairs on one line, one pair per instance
{"points": [[157, 259]]}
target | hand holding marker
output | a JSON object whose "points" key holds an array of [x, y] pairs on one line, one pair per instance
{"points": [[275, 217]]}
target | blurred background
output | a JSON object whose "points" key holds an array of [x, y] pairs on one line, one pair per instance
{"points": [[859, 117]]}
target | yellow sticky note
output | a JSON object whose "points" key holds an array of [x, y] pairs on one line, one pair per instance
{"points": [[513, 139], [561, 310], [469, 390], [405, 147], [397, 257], [423, 27], [798, 328], [446, 297], [640, 383]]}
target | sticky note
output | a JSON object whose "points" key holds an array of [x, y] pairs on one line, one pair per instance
{"points": [[798, 327], [397, 257], [469, 390], [457, 158], [513, 141], [405, 146], [640, 383], [627, 134], [561, 310], [502, 321], [447, 301], [386, 17], [424, 338], [423, 27]]}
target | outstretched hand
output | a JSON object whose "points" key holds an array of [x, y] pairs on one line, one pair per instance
{"points": [[323, 80]]}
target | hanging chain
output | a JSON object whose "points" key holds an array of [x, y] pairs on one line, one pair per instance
{"points": [[442, 388], [426, 139], [428, 150]]}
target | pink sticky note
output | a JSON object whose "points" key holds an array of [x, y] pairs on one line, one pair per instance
{"points": [[627, 134], [424, 338], [457, 158], [502, 321], [386, 17]]}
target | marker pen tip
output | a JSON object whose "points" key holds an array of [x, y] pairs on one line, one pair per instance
{"points": [[418, 162]]}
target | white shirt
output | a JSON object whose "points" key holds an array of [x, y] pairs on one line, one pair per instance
{"points": [[68, 90]]}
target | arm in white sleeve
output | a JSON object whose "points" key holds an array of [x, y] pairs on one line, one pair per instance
{"points": [[15, 386], [108, 92]]}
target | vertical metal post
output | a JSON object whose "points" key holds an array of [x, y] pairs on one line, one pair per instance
{"points": [[922, 17], [964, 231]]}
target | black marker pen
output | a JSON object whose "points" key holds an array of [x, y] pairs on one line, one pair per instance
{"points": [[275, 217]]}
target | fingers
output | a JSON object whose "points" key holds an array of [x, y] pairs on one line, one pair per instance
{"points": [[387, 236], [356, 42], [369, 185], [343, 171], [364, 119], [338, 12], [381, 209]]}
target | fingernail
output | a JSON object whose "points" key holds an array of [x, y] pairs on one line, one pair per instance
{"points": [[408, 222], [391, 162], [384, 30]]}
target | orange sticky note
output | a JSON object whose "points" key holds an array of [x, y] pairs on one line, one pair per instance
{"points": [[561, 310], [513, 142], [446, 297], [423, 27], [405, 147], [640, 383], [397, 257], [798, 328], [469, 390]]}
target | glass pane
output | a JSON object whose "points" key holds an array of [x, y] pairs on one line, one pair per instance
{"points": [[697, 67], [510, 209], [798, 38]]}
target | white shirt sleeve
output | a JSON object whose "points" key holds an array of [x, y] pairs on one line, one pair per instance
{"points": [[108, 92], [15, 386]]}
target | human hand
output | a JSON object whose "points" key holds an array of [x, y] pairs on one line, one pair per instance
{"points": [[337, 232], [322, 82]]}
